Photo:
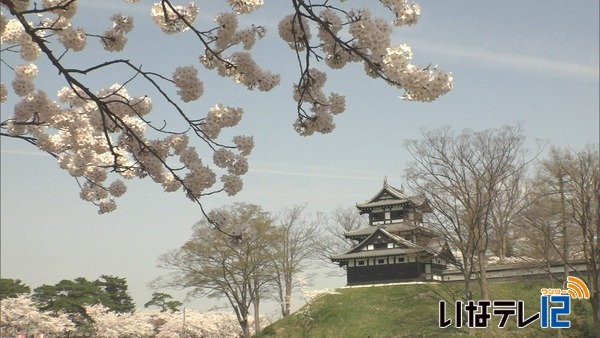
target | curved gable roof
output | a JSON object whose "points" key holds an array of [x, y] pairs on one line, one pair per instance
{"points": [[390, 227], [405, 247], [388, 192], [390, 196], [380, 231]]}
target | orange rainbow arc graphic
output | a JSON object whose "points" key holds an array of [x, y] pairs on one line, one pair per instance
{"points": [[577, 288]]}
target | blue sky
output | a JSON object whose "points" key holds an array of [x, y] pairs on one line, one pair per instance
{"points": [[535, 62]]}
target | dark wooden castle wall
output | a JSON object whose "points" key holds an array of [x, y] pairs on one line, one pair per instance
{"points": [[389, 273]]}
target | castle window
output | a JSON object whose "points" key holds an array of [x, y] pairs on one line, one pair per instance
{"points": [[397, 214], [360, 262], [381, 245], [381, 261], [377, 217]]}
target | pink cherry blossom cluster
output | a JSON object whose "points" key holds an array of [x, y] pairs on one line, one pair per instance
{"points": [[77, 136], [218, 216], [406, 14], [372, 34], [102, 136], [190, 87], [69, 37], [20, 315], [335, 57], [244, 6], [369, 43], [96, 135], [74, 39], [107, 323], [114, 39], [239, 65], [310, 90], [174, 19], [236, 166], [219, 117], [242, 68], [62, 8], [295, 31]]}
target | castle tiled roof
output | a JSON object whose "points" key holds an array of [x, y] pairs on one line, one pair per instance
{"points": [[375, 253], [406, 248], [382, 203], [390, 196], [392, 228]]}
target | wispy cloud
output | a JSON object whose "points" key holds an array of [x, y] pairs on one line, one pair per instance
{"points": [[515, 61], [274, 168], [303, 170], [303, 174]]}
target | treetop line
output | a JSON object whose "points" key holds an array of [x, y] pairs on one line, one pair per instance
{"points": [[99, 135]]}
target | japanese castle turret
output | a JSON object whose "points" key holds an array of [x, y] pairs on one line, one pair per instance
{"points": [[395, 246]]}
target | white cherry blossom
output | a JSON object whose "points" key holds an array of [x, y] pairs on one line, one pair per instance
{"points": [[103, 134]]}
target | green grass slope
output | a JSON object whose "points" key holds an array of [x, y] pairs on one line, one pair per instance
{"points": [[411, 310]]}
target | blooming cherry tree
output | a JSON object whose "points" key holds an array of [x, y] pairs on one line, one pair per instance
{"points": [[103, 136], [196, 324], [164, 324], [19, 315], [106, 323]]}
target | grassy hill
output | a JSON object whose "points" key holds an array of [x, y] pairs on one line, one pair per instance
{"points": [[411, 310]]}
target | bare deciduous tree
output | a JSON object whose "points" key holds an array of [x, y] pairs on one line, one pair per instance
{"points": [[295, 244], [566, 214], [461, 175], [341, 221], [538, 231], [506, 207], [545, 220], [583, 205]]}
